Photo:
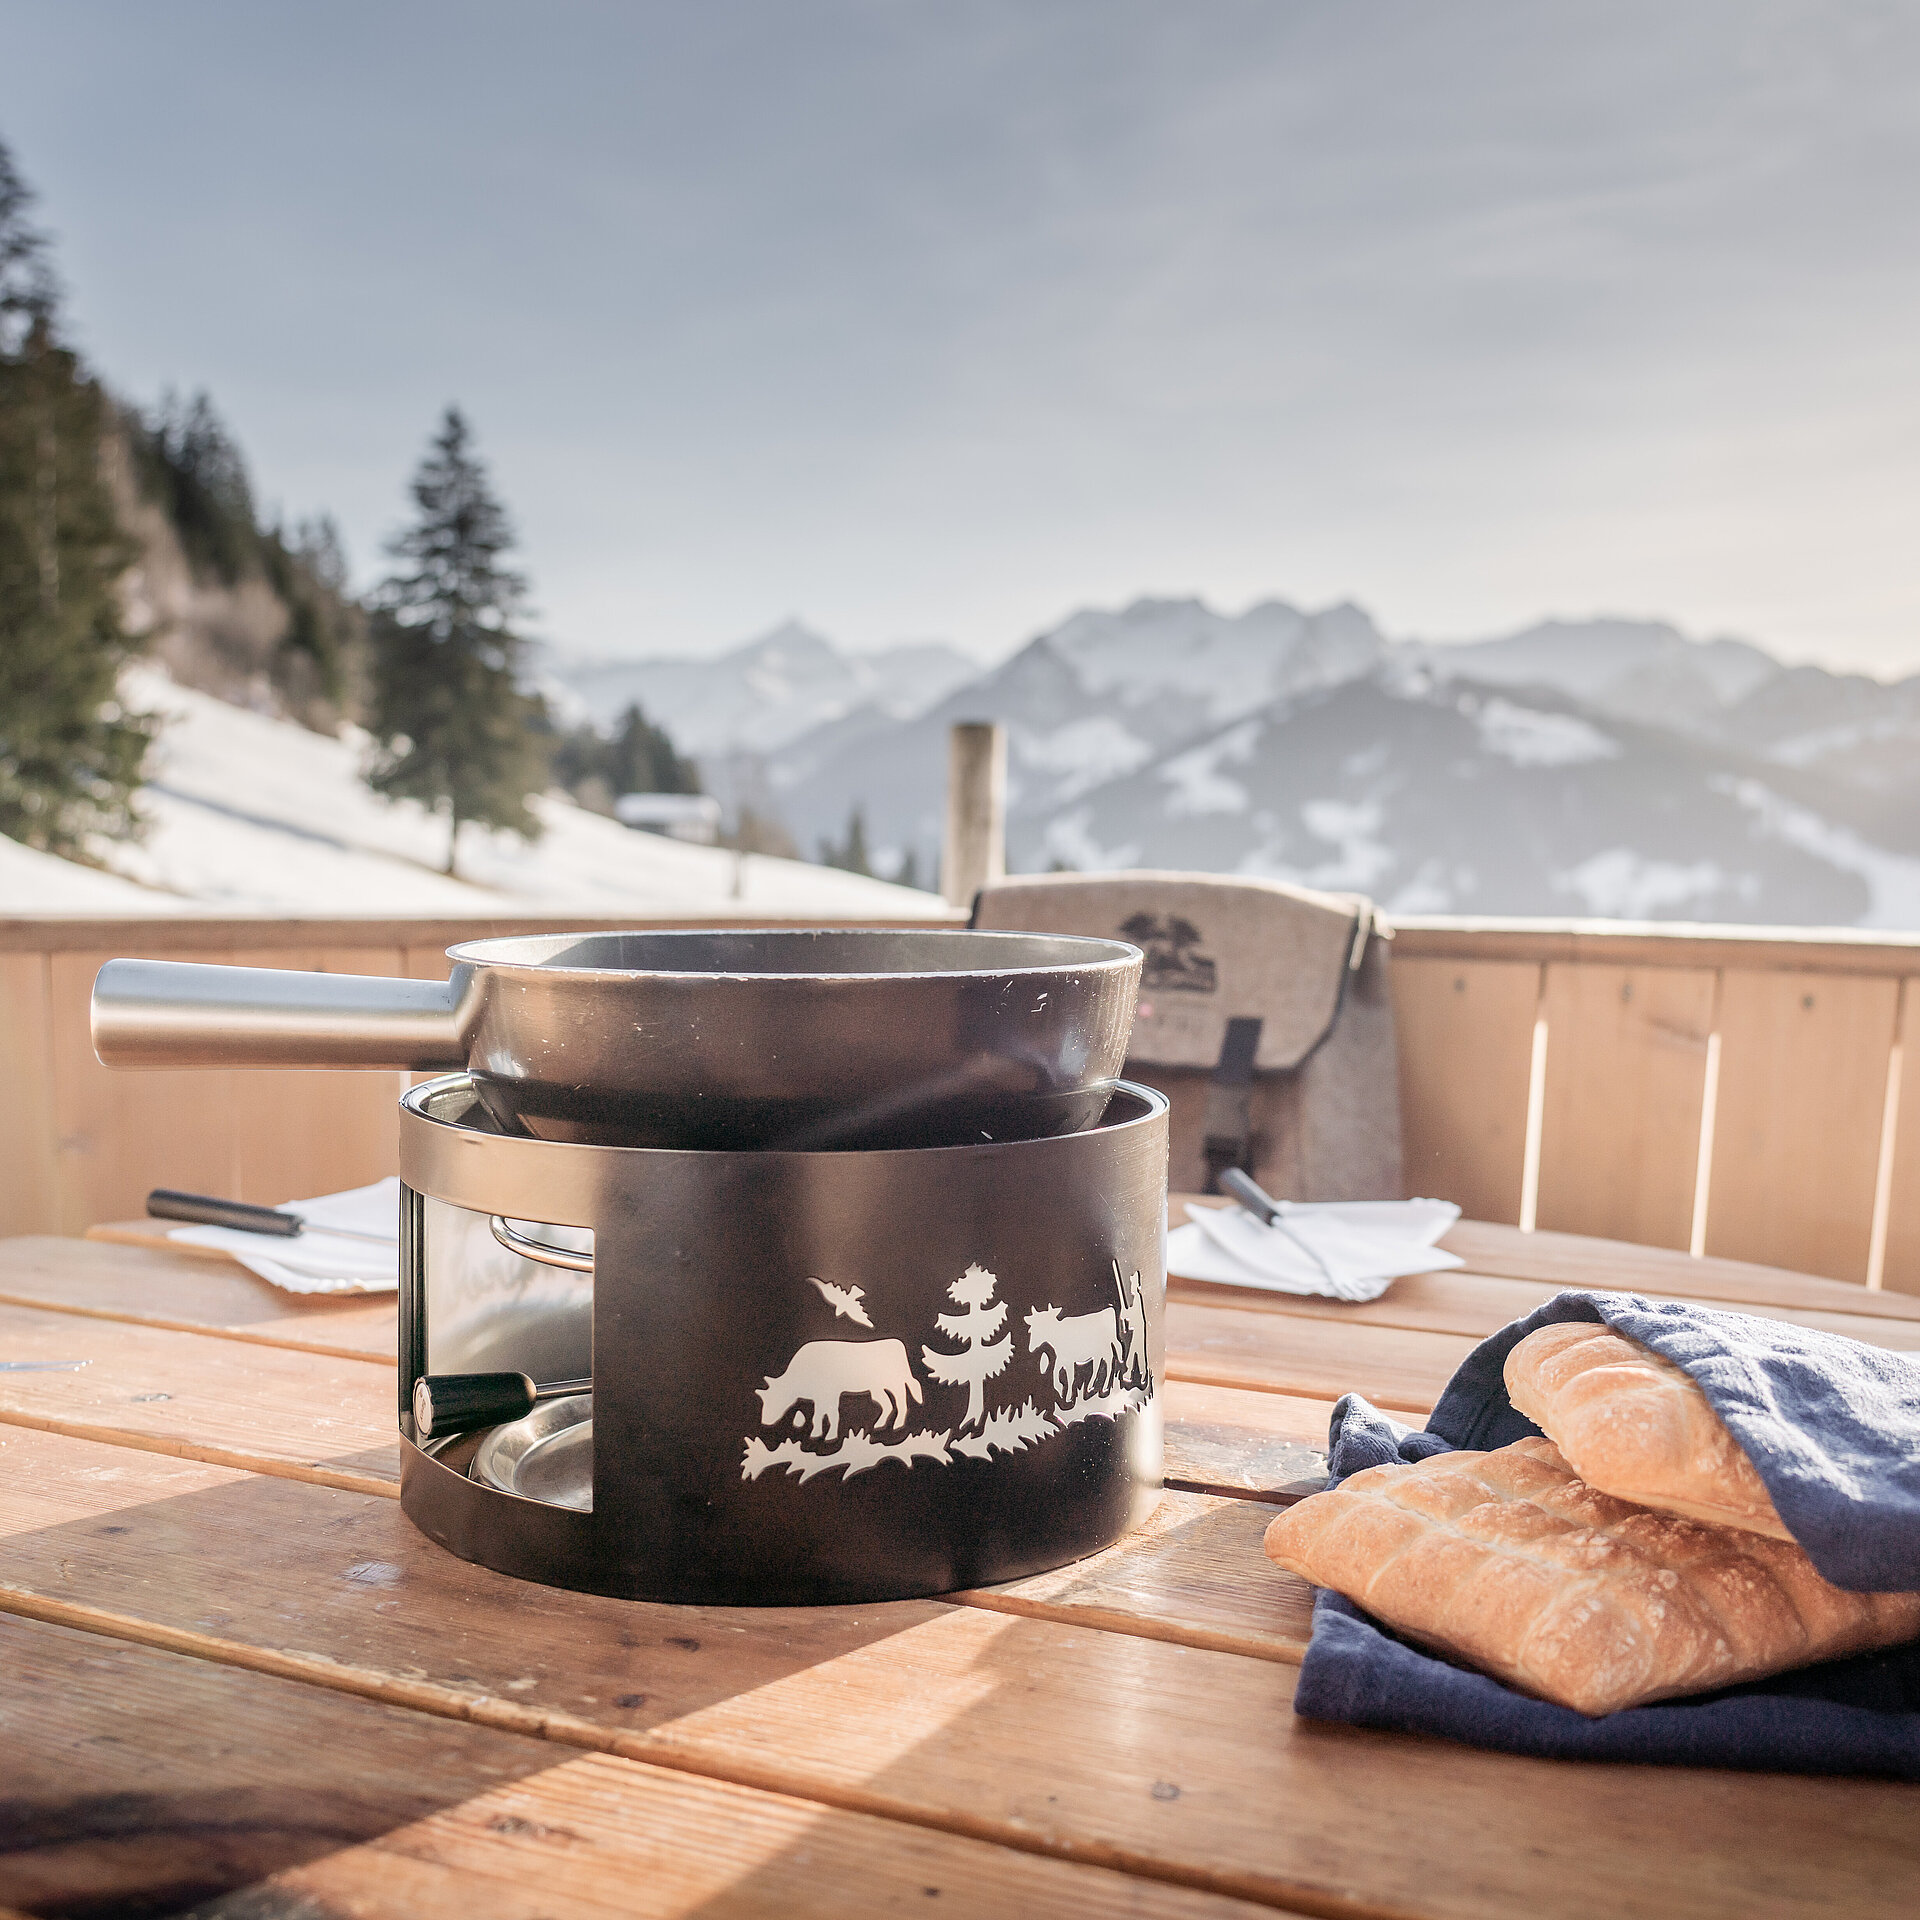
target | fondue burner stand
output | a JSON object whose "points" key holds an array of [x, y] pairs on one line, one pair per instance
{"points": [[790, 1377]]}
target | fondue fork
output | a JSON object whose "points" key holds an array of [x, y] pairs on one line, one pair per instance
{"points": [[163, 1203], [1251, 1197], [446, 1403]]}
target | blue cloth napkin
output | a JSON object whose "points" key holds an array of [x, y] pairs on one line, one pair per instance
{"points": [[1833, 1427]]}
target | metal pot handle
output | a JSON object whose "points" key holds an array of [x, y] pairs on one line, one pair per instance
{"points": [[530, 1249], [169, 1013]]}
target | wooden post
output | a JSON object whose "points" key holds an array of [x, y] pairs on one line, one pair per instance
{"points": [[976, 848]]}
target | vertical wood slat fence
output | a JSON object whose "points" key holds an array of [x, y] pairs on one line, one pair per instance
{"points": [[1720, 1092], [1736, 1093]]}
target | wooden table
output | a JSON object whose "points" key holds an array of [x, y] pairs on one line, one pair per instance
{"points": [[231, 1664]]}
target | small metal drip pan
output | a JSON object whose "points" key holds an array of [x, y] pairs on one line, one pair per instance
{"points": [[548, 1456]]}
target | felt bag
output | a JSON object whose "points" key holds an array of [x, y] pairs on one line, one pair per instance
{"points": [[1264, 1016]]}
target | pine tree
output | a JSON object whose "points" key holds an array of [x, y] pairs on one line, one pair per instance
{"points": [[70, 756], [459, 734], [639, 758], [851, 854], [193, 469], [984, 1349], [644, 759], [190, 467]]}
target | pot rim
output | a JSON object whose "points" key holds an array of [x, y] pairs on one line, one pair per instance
{"points": [[1101, 956]]}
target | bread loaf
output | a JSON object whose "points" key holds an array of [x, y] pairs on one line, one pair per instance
{"points": [[1636, 1426], [1507, 1562]]}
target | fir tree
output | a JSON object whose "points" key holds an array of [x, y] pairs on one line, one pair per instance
{"points": [[192, 469], [639, 758], [644, 760], [984, 1349], [459, 734], [851, 854], [70, 757]]}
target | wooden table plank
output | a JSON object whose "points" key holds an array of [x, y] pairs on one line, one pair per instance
{"points": [[146, 1782], [1176, 1595], [1574, 1260], [1327, 1348], [1296, 1354], [331, 1422], [1207, 1552], [1262, 1446], [181, 1290], [1555, 1261], [322, 1418], [1476, 1305], [263, 1408], [1165, 1760]]}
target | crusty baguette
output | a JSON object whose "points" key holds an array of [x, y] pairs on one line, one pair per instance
{"points": [[1636, 1426], [1507, 1562]]}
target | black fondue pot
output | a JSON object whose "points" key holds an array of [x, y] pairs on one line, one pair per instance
{"points": [[749, 1038]]}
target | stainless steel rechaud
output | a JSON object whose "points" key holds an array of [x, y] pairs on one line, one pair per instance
{"points": [[808, 1377], [731, 1039]]}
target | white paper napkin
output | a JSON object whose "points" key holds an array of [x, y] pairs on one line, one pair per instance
{"points": [[1340, 1249], [318, 1261]]}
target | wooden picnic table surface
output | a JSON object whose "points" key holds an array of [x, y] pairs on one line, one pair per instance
{"points": [[235, 1673]]}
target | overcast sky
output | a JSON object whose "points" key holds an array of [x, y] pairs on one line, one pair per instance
{"points": [[943, 317]]}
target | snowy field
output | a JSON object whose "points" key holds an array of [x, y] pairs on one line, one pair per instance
{"points": [[248, 814]]}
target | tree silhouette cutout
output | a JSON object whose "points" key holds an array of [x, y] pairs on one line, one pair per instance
{"points": [[974, 1331]]}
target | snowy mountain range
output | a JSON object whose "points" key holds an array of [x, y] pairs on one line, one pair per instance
{"points": [[1606, 767], [765, 693], [1452, 796]]}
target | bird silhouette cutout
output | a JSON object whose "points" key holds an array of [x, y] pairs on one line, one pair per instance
{"points": [[843, 1300]]}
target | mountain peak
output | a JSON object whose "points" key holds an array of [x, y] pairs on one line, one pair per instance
{"points": [[792, 641]]}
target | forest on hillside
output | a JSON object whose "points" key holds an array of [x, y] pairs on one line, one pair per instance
{"points": [[130, 530]]}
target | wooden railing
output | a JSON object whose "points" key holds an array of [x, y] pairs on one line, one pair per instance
{"points": [[1723, 1091], [1716, 1091]]}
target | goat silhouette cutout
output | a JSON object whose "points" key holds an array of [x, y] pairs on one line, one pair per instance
{"points": [[1076, 1340]]}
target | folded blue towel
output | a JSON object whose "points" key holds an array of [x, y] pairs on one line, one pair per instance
{"points": [[1833, 1428]]}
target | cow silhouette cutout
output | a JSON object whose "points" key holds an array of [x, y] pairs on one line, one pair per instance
{"points": [[1075, 1340], [823, 1372]]}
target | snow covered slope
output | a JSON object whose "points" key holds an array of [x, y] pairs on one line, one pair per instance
{"points": [[251, 814], [32, 882], [767, 692]]}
